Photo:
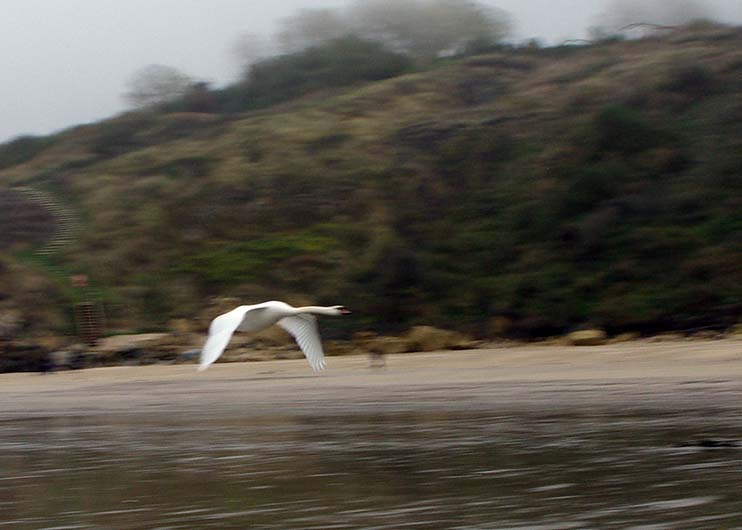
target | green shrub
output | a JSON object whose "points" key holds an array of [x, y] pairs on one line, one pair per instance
{"points": [[327, 142], [186, 167], [336, 63], [119, 136], [253, 260], [695, 81], [23, 149], [472, 157], [620, 130], [593, 185]]}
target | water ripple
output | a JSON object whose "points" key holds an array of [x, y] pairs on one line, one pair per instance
{"points": [[376, 471]]}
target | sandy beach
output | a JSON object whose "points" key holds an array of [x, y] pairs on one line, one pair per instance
{"points": [[680, 376]]}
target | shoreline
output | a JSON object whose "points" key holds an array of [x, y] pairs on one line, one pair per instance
{"points": [[704, 376]]}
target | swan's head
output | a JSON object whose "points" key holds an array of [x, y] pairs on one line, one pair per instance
{"points": [[341, 310]]}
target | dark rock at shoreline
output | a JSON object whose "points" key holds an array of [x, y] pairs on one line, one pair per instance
{"points": [[23, 357]]}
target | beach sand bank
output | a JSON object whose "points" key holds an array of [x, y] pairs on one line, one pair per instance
{"points": [[674, 376]]}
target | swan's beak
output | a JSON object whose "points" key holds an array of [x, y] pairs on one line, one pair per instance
{"points": [[345, 311]]}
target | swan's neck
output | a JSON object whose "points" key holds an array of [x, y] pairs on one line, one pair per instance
{"points": [[316, 309]]}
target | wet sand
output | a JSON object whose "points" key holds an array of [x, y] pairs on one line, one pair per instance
{"points": [[682, 377]]}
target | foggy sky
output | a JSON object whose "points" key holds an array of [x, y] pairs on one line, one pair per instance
{"points": [[66, 62]]}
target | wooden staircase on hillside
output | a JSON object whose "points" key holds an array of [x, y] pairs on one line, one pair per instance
{"points": [[67, 223], [89, 314]]}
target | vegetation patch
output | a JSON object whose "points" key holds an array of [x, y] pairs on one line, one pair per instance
{"points": [[550, 188]]}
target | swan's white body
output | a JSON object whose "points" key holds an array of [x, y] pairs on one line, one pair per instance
{"points": [[298, 321]]}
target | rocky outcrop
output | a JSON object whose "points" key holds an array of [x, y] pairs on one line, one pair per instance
{"points": [[625, 337], [17, 356], [429, 338], [667, 337], [149, 348], [386, 346], [11, 323], [587, 337], [417, 339]]}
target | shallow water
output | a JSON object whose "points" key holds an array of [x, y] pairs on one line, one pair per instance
{"points": [[387, 471]]}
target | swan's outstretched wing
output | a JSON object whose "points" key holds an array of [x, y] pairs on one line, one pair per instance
{"points": [[304, 329], [220, 332], [214, 347]]}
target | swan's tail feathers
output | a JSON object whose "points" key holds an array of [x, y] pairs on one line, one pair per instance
{"points": [[213, 348]]}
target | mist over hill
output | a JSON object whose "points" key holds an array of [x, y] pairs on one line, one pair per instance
{"points": [[523, 189]]}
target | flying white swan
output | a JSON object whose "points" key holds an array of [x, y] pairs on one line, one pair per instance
{"points": [[298, 321]]}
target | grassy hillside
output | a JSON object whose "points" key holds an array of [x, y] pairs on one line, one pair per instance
{"points": [[554, 187]]}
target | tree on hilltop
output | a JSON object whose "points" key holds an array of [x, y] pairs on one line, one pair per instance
{"points": [[311, 27], [423, 29], [427, 29], [156, 84]]}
